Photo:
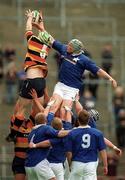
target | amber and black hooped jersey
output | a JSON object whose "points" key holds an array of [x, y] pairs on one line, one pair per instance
{"points": [[21, 143], [37, 53]]}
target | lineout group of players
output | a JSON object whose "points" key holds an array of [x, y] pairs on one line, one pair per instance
{"points": [[48, 145]]}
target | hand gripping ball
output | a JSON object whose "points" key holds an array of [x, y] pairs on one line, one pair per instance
{"points": [[36, 16]]}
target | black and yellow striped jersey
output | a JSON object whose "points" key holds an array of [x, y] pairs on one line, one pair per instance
{"points": [[21, 142], [37, 53]]}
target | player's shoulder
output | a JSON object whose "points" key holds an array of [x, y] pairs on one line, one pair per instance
{"points": [[48, 127], [40, 127], [97, 132], [72, 132], [59, 43], [84, 58], [75, 131]]}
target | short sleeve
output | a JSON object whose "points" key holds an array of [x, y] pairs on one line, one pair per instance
{"points": [[90, 65], [67, 125], [28, 34], [101, 143]]}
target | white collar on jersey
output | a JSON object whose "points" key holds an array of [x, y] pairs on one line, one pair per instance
{"points": [[73, 54], [37, 126], [87, 126]]}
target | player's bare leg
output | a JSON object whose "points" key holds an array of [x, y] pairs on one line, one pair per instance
{"points": [[53, 106], [20, 177], [66, 106]]}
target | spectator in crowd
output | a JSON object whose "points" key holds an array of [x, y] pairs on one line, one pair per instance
{"points": [[9, 53], [21, 74], [120, 129], [107, 57], [92, 79], [10, 82], [118, 101], [87, 53], [119, 113], [113, 161], [87, 100], [93, 85], [1, 63], [85, 75], [1, 72]]}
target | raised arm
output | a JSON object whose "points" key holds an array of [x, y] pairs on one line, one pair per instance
{"points": [[33, 93], [111, 145], [44, 35], [40, 24], [29, 20], [103, 74]]}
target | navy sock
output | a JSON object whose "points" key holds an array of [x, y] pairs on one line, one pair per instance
{"points": [[67, 125], [50, 118]]}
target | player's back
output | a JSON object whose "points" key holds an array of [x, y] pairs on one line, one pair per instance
{"points": [[57, 153], [41, 133], [85, 142]]}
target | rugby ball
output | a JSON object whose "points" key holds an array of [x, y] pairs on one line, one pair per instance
{"points": [[36, 16]]}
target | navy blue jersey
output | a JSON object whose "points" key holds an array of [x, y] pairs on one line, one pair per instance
{"points": [[41, 133], [57, 153], [84, 143], [73, 66], [67, 125], [92, 123]]}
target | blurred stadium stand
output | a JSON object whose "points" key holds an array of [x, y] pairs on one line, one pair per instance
{"points": [[95, 22]]}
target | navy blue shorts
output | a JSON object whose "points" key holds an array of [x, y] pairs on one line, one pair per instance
{"points": [[18, 165], [38, 84]]}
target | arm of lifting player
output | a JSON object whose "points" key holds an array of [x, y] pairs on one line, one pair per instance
{"points": [[103, 74], [40, 24], [29, 20], [104, 159], [111, 145], [36, 100]]}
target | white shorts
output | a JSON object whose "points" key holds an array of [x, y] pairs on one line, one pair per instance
{"points": [[66, 170], [66, 92], [58, 170], [86, 171], [41, 171]]}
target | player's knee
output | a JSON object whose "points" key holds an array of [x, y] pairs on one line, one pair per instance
{"points": [[54, 105]]}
